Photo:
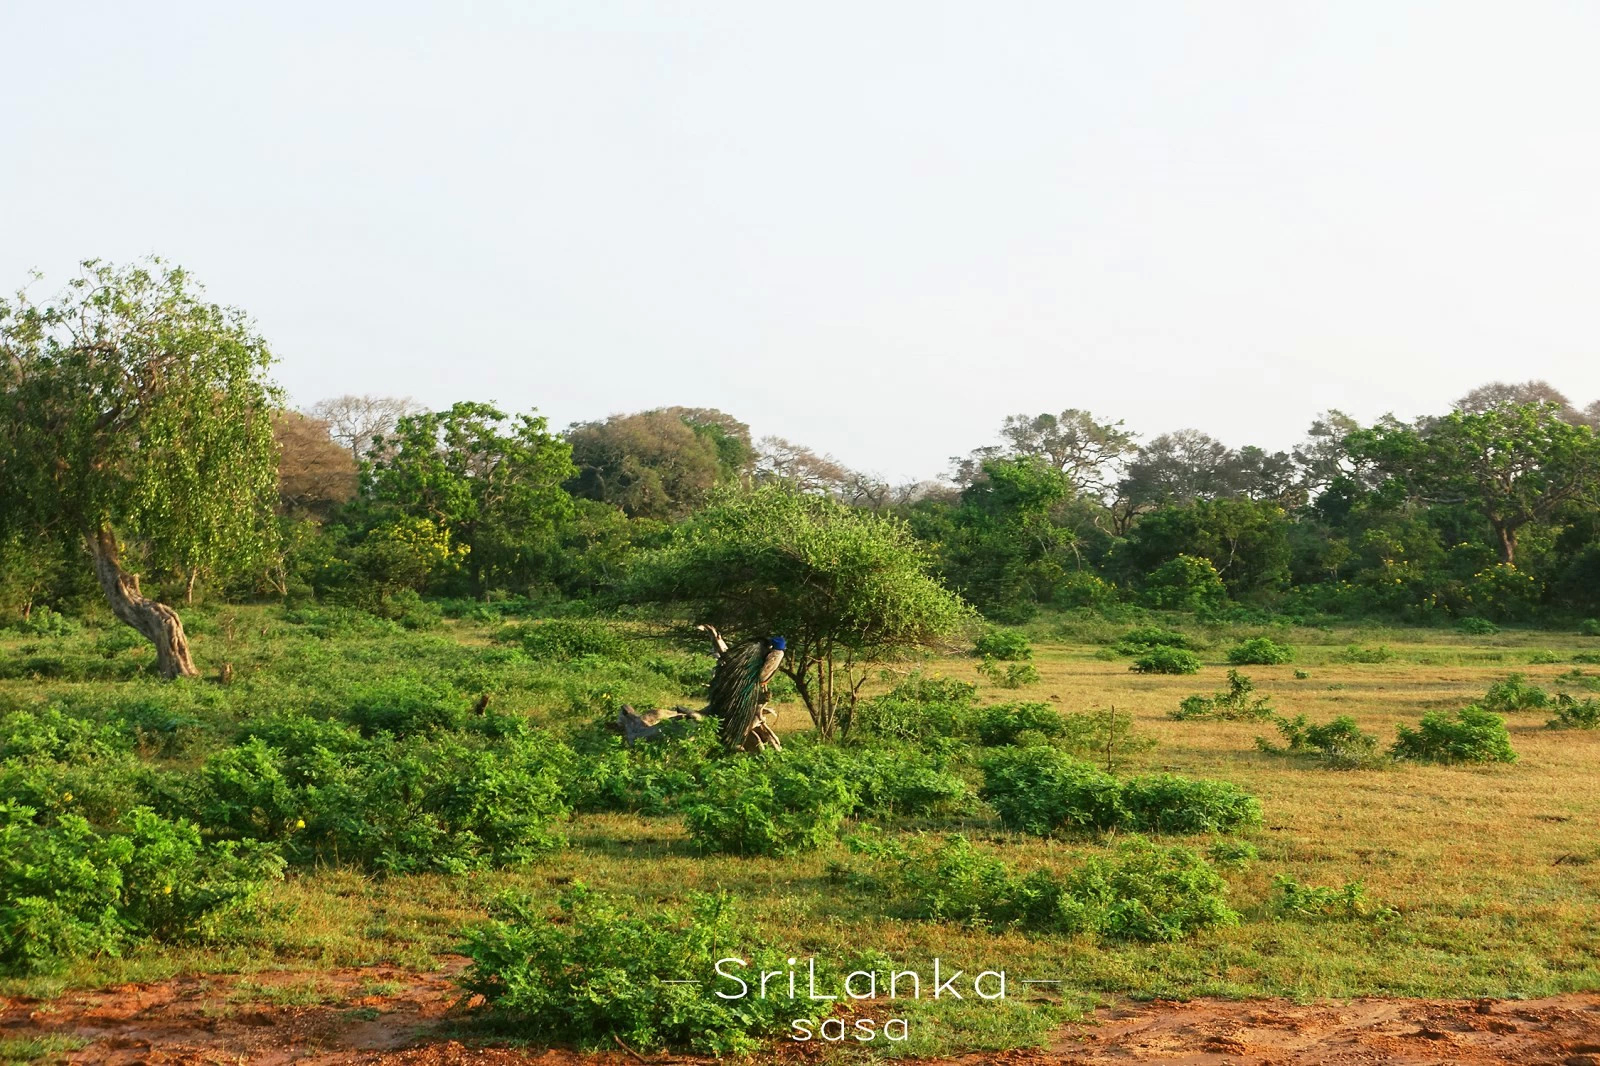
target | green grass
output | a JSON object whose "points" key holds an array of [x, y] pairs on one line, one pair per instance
{"points": [[1469, 859], [21, 1050]]}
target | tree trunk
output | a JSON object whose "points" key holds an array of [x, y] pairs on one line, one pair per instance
{"points": [[1508, 543], [156, 621]]}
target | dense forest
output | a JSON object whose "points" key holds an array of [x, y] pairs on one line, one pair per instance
{"points": [[1490, 509]]}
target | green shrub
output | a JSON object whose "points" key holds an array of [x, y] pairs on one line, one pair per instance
{"points": [[919, 707], [1472, 735], [1291, 899], [768, 804], [1141, 639], [1589, 627], [1167, 803], [564, 639], [58, 764], [403, 707], [1571, 714], [1006, 723], [1012, 675], [1260, 651], [1006, 645], [43, 622], [1166, 661], [1339, 744], [1477, 627], [1041, 790], [1142, 891], [1187, 583], [649, 777], [68, 890], [1145, 892], [886, 779], [1543, 658], [1357, 654], [1236, 704], [1513, 693], [1234, 854], [606, 971], [450, 803]]}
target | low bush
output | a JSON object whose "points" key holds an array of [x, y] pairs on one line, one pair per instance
{"points": [[651, 777], [891, 779], [1291, 899], [1042, 790], [563, 639], [603, 972], [1573, 714], [1141, 639], [449, 803], [1142, 891], [1234, 854], [1006, 645], [1012, 723], [43, 622], [1471, 735], [1167, 661], [1238, 703], [1514, 693], [1589, 627], [1477, 627], [1543, 658], [1012, 675], [1260, 651], [769, 804], [1357, 654], [68, 890], [918, 708], [1338, 745]]}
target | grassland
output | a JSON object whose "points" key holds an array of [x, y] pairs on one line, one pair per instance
{"points": [[1494, 873]]}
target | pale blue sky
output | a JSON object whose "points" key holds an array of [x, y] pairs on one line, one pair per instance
{"points": [[876, 228]]}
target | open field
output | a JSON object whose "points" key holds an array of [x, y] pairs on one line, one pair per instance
{"points": [[1492, 874]]}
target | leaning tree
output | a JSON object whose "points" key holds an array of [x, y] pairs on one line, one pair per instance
{"points": [[135, 416], [842, 586]]}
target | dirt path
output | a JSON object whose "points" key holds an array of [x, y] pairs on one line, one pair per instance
{"points": [[381, 1015]]}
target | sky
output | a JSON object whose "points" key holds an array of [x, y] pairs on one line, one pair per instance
{"points": [[875, 228]]}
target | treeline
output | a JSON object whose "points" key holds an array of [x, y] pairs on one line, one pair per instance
{"points": [[138, 419], [1491, 510]]}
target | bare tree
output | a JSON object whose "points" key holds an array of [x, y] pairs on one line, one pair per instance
{"points": [[783, 461], [356, 421], [315, 472], [1507, 394]]}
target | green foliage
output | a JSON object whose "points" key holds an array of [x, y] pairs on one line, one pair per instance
{"points": [[843, 586], [1338, 745], [892, 779], [1167, 661], [1186, 583], [68, 890], [43, 622], [1369, 656], [776, 803], [1514, 693], [1291, 899], [1472, 735], [1233, 705], [1011, 723], [1589, 627], [1006, 645], [1041, 790], [1260, 651], [1573, 714], [565, 639], [1142, 891], [918, 708], [650, 777], [1543, 658], [657, 464], [450, 802], [492, 482], [603, 971], [1006, 550], [1141, 639], [1146, 891], [1474, 626], [1232, 853], [1012, 675]]}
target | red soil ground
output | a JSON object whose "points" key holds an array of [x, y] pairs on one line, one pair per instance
{"points": [[413, 1018]]}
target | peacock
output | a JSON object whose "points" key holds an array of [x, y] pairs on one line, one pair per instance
{"points": [[738, 686]]}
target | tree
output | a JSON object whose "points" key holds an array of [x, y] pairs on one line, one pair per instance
{"points": [[1073, 442], [842, 586], [782, 462], [1005, 551], [1245, 541], [315, 472], [1497, 394], [1514, 465], [1178, 468], [357, 421], [138, 417], [491, 481], [655, 464]]}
